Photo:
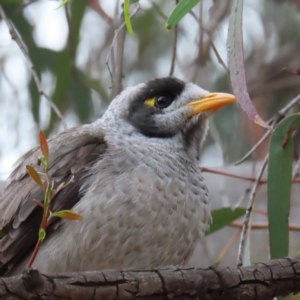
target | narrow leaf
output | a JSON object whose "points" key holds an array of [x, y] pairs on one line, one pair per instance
{"points": [[127, 17], [223, 217], [235, 57], [57, 190], [34, 175], [44, 146], [180, 10], [279, 185], [62, 4], [61, 187], [38, 203], [67, 214]]}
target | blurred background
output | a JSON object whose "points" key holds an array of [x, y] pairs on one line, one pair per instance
{"points": [[71, 48]]}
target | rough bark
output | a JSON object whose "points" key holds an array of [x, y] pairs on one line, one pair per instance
{"points": [[262, 281]]}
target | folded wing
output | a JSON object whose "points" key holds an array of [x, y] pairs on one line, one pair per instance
{"points": [[72, 153]]}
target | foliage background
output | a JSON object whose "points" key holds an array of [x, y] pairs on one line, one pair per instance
{"points": [[69, 47]]}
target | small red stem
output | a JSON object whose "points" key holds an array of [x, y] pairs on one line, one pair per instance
{"points": [[262, 225], [44, 222], [33, 256], [262, 181]]}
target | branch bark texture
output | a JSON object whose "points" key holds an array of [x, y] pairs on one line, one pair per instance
{"points": [[262, 281]]}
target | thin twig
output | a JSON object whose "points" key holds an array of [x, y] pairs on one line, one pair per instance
{"points": [[174, 48], [275, 120], [158, 10], [292, 103], [260, 212], [96, 5], [272, 122], [34, 253], [14, 35], [46, 214], [241, 199], [117, 86], [220, 60], [228, 246], [202, 169], [262, 181], [249, 210], [114, 41], [263, 225], [265, 136]]}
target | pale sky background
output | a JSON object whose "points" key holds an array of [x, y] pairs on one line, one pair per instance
{"points": [[18, 131]]}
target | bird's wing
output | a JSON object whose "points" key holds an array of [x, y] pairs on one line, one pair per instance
{"points": [[72, 153]]}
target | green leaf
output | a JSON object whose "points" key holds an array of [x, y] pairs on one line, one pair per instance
{"points": [[62, 69], [236, 66], [44, 147], [279, 185], [34, 175], [24, 28], [62, 4], [223, 217], [180, 10], [42, 234], [10, 1], [77, 10], [127, 16], [133, 1], [67, 214]]}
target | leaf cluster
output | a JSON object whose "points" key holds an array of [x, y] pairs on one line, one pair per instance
{"points": [[47, 184]]}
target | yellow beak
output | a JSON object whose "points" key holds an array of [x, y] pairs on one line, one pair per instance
{"points": [[212, 101]]}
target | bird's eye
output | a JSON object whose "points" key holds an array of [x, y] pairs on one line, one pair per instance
{"points": [[162, 101]]}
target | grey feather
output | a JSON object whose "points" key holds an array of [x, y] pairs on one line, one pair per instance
{"points": [[142, 197]]}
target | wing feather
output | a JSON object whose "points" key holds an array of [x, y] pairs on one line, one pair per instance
{"points": [[72, 154]]}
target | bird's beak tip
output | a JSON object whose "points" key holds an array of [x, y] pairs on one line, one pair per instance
{"points": [[211, 101]]}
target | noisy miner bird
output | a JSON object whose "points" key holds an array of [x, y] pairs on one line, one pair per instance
{"points": [[136, 183]]}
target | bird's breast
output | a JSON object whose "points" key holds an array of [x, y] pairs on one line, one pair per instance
{"points": [[143, 208], [154, 203]]}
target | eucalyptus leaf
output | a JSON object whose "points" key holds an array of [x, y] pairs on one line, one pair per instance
{"points": [[236, 66], [127, 16], [279, 185], [223, 217], [180, 10]]}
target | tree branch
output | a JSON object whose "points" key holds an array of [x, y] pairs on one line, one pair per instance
{"points": [[249, 210], [262, 281]]}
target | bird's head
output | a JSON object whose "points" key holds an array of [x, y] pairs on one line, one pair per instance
{"points": [[167, 108]]}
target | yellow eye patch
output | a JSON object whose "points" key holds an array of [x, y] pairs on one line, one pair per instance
{"points": [[150, 102]]}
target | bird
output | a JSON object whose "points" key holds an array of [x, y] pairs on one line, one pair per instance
{"points": [[135, 181]]}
